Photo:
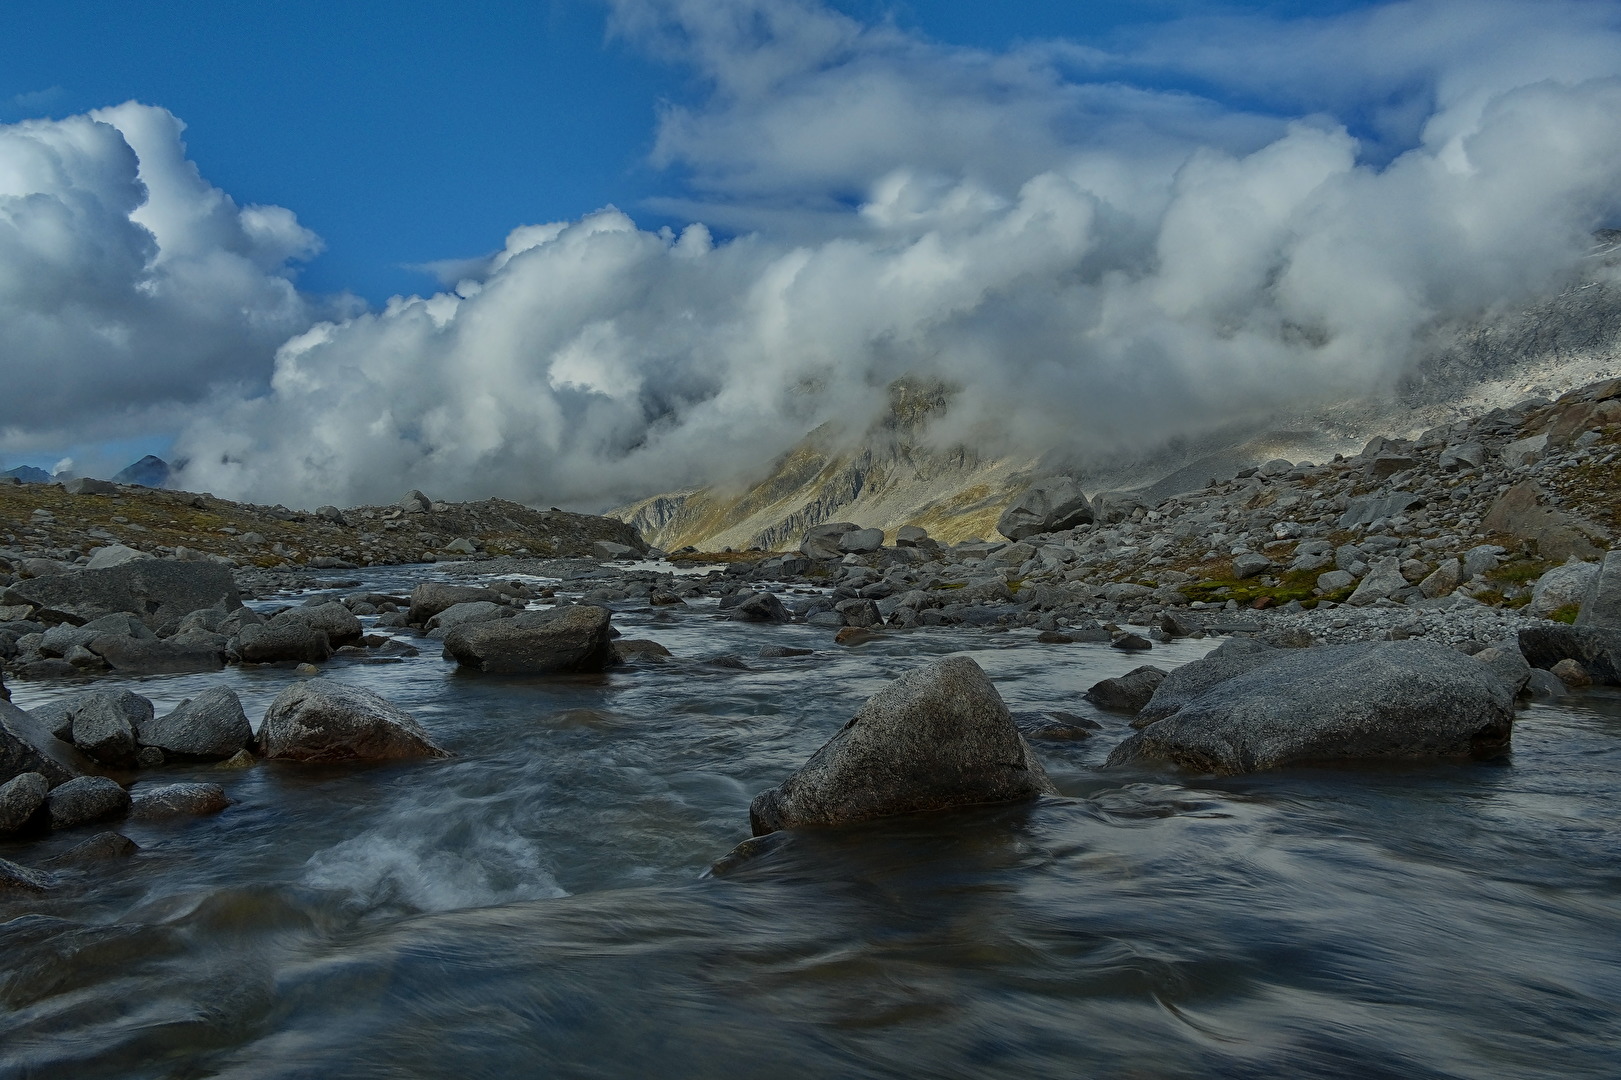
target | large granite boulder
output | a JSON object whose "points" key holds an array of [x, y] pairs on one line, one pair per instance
{"points": [[272, 643], [936, 738], [158, 591], [102, 725], [1233, 657], [210, 727], [1408, 700], [431, 597], [320, 721], [1046, 506], [861, 541], [822, 541], [549, 640]]}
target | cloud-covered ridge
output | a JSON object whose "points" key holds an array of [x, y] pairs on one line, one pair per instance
{"points": [[1091, 259]]}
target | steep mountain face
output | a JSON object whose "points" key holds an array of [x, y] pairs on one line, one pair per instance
{"points": [[150, 472], [28, 474], [886, 477], [892, 475]]}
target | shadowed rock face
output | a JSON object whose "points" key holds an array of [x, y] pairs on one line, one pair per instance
{"points": [[321, 720], [554, 640], [211, 725], [159, 592], [936, 738], [1374, 700]]}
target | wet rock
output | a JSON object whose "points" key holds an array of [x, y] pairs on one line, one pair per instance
{"points": [[1131, 642], [859, 612], [158, 591], [133, 656], [103, 725], [20, 799], [16, 878], [1231, 658], [640, 650], [553, 640], [937, 737], [1046, 506], [324, 721], [242, 759], [775, 652], [27, 744], [84, 800], [1180, 624], [431, 597], [822, 541], [1055, 725], [1054, 637], [270, 643], [851, 636], [1365, 701], [99, 848], [761, 607], [177, 800], [1128, 692], [209, 726], [1545, 685], [466, 613], [338, 623]]}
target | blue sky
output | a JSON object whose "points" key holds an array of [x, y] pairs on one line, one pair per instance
{"points": [[1108, 223], [409, 132]]}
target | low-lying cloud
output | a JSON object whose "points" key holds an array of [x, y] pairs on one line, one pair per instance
{"points": [[1091, 259]]}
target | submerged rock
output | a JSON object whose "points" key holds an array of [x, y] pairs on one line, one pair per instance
{"points": [[86, 799], [178, 800], [761, 607], [16, 878], [320, 720], [1128, 692], [550, 640], [296, 642], [1372, 700], [937, 737]]}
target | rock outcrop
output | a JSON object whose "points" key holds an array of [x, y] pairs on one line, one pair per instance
{"points": [[936, 738]]}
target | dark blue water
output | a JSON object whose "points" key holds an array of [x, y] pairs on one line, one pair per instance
{"points": [[542, 904]]}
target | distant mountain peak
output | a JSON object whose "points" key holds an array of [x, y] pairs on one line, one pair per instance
{"points": [[150, 471]]}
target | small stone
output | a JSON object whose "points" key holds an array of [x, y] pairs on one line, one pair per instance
{"points": [[1571, 673]]}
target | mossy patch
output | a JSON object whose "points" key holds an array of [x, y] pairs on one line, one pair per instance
{"points": [[1566, 614]]}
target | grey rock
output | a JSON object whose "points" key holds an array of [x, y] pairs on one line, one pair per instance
{"points": [[859, 613], [640, 650], [114, 555], [1231, 658], [825, 618], [547, 641], [1442, 580], [1561, 587], [822, 541], [338, 623], [475, 612], [414, 502], [332, 514], [177, 800], [99, 848], [1111, 507], [28, 744], [1384, 579], [135, 656], [1250, 565], [158, 591], [761, 607], [911, 536], [210, 726], [1335, 580], [1366, 509], [1601, 603], [1524, 512], [463, 546], [84, 800], [431, 597], [1411, 700], [296, 642], [16, 878], [1597, 649], [1481, 560], [1180, 624], [936, 738], [861, 541], [1128, 692], [607, 549], [1047, 506], [1507, 662], [84, 485], [1522, 452], [20, 798], [1570, 673], [64, 636], [1545, 685], [321, 721], [103, 725], [1469, 455]]}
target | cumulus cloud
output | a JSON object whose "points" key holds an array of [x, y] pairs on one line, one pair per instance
{"points": [[1093, 260], [129, 286]]}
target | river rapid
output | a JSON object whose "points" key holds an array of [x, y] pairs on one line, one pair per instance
{"points": [[558, 899]]}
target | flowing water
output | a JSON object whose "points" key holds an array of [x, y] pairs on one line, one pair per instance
{"points": [[543, 904]]}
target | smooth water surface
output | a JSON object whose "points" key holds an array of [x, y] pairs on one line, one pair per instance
{"points": [[542, 905]]}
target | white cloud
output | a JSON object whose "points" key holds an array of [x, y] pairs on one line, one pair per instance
{"points": [[1095, 262], [129, 286]]}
